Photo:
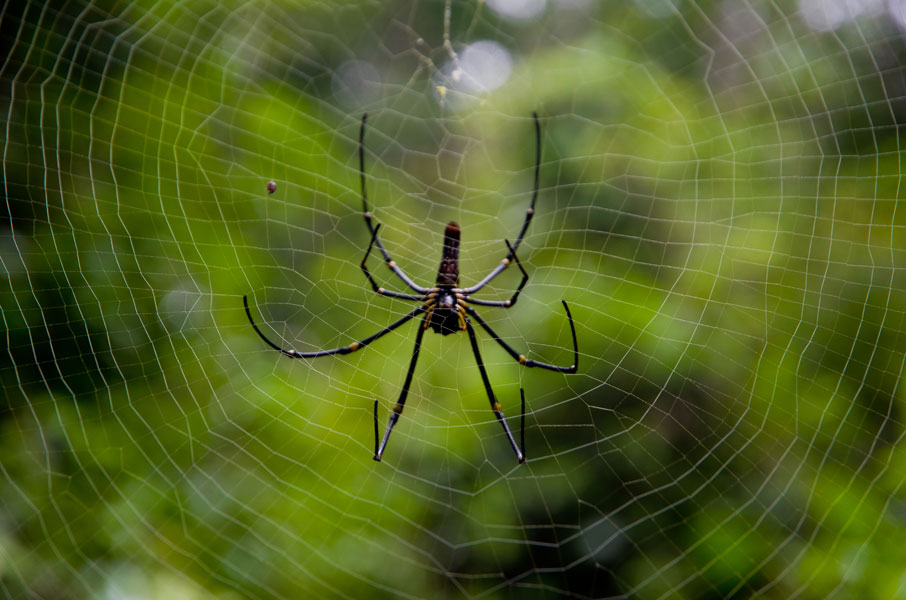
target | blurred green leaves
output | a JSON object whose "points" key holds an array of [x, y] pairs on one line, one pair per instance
{"points": [[719, 205]]}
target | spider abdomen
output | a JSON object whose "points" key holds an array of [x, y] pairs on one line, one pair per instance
{"points": [[448, 273]]}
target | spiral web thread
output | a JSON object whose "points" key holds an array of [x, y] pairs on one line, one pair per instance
{"points": [[719, 204]]}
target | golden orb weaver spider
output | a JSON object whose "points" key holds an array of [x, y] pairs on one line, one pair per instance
{"points": [[445, 308]]}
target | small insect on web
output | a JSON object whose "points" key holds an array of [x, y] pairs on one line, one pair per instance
{"points": [[445, 308]]}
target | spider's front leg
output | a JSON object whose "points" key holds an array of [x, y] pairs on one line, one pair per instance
{"points": [[529, 213], [464, 294], [373, 229], [377, 289]]}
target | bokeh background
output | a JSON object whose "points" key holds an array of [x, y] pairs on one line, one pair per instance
{"points": [[719, 203]]}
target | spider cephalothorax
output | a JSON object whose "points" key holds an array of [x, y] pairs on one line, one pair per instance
{"points": [[445, 308]]}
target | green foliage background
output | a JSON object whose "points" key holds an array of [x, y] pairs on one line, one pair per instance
{"points": [[719, 204]]}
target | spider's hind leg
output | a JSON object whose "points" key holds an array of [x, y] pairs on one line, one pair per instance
{"points": [[401, 402], [495, 405]]}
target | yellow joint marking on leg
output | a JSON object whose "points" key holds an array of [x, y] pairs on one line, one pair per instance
{"points": [[530, 211], [368, 214], [354, 346], [381, 290], [505, 261], [497, 406], [522, 359], [508, 303], [398, 408], [391, 264]]}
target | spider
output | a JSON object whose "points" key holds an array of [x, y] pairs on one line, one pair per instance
{"points": [[445, 308]]}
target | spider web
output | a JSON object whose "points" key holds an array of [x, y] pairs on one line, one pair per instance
{"points": [[718, 204]]}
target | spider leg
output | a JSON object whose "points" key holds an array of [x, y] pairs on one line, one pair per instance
{"points": [[375, 427], [520, 358], [522, 420], [372, 229], [401, 402], [529, 213], [377, 289], [495, 406], [511, 301], [342, 349]]}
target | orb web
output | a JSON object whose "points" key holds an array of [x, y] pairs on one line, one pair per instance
{"points": [[719, 204]]}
